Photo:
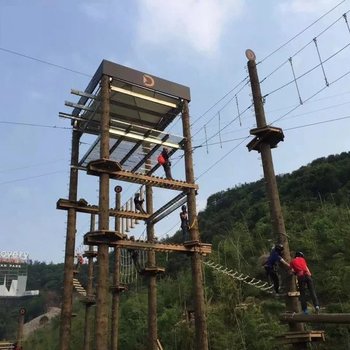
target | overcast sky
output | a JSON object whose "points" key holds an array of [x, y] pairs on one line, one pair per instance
{"points": [[197, 43]]}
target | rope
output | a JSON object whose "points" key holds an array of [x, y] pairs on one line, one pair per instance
{"points": [[295, 80], [254, 282]]}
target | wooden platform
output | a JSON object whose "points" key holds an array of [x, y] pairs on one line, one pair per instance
{"points": [[301, 337], [102, 237], [293, 294], [268, 134], [106, 165], [94, 168], [90, 254], [66, 204]]}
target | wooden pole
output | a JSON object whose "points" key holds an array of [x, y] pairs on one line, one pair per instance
{"points": [[152, 277], [22, 312], [278, 226], [116, 280], [67, 298], [89, 292], [101, 327], [197, 272], [316, 318]]}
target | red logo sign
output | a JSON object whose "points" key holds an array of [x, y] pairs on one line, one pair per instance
{"points": [[148, 80]]}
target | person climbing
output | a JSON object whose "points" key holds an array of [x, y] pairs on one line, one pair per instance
{"points": [[138, 203], [301, 270], [80, 261], [271, 264], [163, 159], [184, 223], [135, 259]]}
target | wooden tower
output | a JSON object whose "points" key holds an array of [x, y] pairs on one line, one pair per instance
{"points": [[128, 112]]}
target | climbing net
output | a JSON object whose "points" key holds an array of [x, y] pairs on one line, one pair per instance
{"points": [[254, 282], [131, 264]]}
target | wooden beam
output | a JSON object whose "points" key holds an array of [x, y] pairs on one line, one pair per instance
{"points": [[66, 204], [167, 205], [138, 178], [201, 248], [316, 318]]}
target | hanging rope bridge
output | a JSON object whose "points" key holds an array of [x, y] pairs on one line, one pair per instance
{"points": [[254, 282]]}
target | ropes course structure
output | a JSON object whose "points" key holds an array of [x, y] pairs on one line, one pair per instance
{"points": [[254, 282]]}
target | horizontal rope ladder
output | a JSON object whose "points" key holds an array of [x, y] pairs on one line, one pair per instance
{"points": [[264, 286]]}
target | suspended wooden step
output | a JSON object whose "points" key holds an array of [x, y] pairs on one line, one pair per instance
{"points": [[88, 300], [267, 134], [152, 270], [93, 168], [301, 337], [118, 288], [84, 207]]}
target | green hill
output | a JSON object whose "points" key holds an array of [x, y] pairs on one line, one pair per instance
{"points": [[315, 200]]}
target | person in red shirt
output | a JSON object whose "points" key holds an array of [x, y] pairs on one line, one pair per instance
{"points": [[300, 268]]}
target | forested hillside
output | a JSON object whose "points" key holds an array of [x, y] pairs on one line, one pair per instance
{"points": [[315, 200]]}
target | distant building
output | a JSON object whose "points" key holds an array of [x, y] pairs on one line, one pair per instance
{"points": [[13, 276]]}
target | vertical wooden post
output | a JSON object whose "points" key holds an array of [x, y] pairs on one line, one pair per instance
{"points": [[197, 272], [101, 328], [132, 208], [22, 312], [116, 280], [127, 221], [152, 278], [89, 292], [67, 298], [278, 226]]}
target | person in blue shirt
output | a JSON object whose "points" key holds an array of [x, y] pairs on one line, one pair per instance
{"points": [[271, 264]]}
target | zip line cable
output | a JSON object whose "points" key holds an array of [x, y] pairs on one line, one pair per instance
{"points": [[317, 123], [44, 62], [222, 158], [301, 32], [304, 47], [293, 116], [308, 71], [222, 108], [32, 177], [221, 99], [36, 125], [32, 166], [315, 94], [284, 129]]}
